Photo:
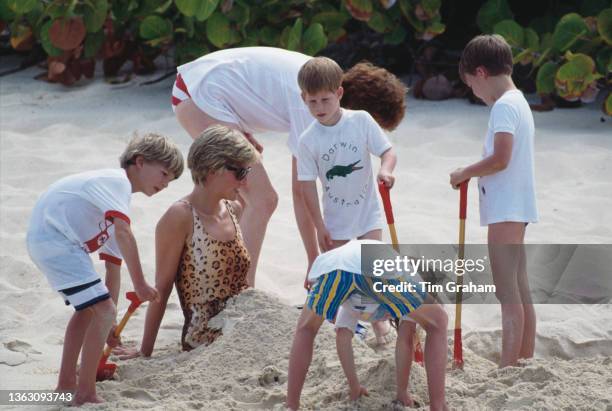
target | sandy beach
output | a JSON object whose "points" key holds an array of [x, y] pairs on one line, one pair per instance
{"points": [[48, 131]]}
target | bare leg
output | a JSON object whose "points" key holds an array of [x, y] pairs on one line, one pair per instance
{"points": [[193, 120], [261, 201], [403, 361], [529, 325], [434, 320], [504, 253], [301, 355], [73, 341], [103, 314], [381, 328]]}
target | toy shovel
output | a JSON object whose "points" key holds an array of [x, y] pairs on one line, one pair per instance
{"points": [[106, 370], [457, 343], [386, 199]]}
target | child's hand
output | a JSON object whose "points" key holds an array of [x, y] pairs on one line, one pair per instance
{"points": [[325, 240], [357, 392], [113, 341], [457, 177], [146, 293], [306, 284], [387, 178]]}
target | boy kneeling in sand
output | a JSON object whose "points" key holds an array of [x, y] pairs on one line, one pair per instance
{"points": [[87, 212], [335, 277]]}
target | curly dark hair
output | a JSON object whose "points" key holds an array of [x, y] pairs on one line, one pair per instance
{"points": [[377, 91]]}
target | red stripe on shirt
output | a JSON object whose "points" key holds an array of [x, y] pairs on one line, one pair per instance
{"points": [[109, 215], [181, 85], [110, 258]]}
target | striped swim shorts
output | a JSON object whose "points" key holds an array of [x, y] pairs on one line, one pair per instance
{"points": [[332, 289]]}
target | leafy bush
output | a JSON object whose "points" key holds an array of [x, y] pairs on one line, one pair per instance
{"points": [[570, 57], [73, 33]]}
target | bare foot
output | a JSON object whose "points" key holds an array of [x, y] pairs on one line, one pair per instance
{"points": [[358, 392], [381, 339], [405, 399], [85, 398], [67, 385]]}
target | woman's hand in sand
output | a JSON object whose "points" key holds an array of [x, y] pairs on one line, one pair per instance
{"points": [[357, 392], [253, 141], [457, 177], [125, 352]]}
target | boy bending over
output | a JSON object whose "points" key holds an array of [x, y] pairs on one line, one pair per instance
{"points": [[89, 212], [336, 276]]}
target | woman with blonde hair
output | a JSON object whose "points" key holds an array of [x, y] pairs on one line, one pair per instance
{"points": [[198, 242]]}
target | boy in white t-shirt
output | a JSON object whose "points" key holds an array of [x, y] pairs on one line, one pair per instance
{"points": [[506, 186], [89, 212], [336, 149]]}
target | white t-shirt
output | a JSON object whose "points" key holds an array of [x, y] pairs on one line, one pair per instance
{"points": [[509, 195], [345, 258], [255, 88], [83, 207], [340, 156]]}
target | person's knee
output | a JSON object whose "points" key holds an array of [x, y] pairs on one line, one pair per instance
{"points": [[264, 200], [437, 319], [309, 323], [105, 311]]}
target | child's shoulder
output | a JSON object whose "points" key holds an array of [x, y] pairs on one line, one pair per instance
{"points": [[512, 103], [511, 98], [358, 117]]}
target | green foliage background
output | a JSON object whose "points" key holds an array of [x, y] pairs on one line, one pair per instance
{"points": [[568, 53]]}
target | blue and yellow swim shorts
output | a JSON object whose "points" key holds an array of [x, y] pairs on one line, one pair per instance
{"points": [[332, 289]]}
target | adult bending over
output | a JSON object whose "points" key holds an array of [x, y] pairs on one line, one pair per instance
{"points": [[255, 89]]}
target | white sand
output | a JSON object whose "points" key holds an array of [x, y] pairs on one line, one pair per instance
{"points": [[48, 131]]}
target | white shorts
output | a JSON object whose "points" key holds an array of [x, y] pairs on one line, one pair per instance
{"points": [[85, 295], [359, 307], [64, 263]]}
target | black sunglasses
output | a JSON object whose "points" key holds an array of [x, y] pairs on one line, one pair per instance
{"points": [[239, 172]]}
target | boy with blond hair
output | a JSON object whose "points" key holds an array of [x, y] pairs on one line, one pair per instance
{"points": [[506, 186], [88, 212]]}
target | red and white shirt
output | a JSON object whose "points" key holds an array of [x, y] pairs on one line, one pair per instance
{"points": [[83, 207]]}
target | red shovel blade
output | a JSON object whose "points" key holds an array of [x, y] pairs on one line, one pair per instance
{"points": [[105, 370]]}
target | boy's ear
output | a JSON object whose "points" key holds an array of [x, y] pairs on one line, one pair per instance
{"points": [[482, 72], [303, 94], [139, 161], [340, 92]]}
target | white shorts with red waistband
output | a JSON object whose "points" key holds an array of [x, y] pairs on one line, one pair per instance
{"points": [[179, 91]]}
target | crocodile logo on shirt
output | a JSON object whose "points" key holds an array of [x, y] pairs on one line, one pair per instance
{"points": [[342, 171]]}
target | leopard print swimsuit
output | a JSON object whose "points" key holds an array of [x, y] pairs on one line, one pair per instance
{"points": [[210, 272]]}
